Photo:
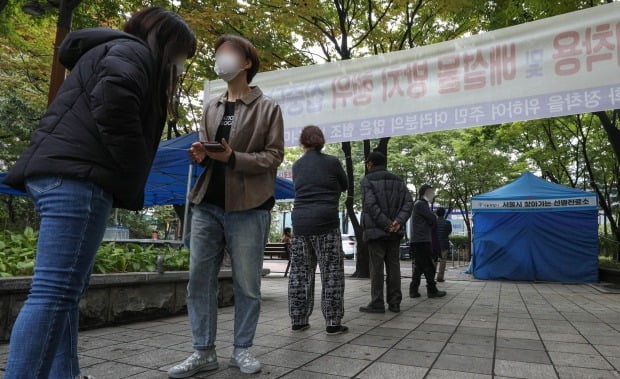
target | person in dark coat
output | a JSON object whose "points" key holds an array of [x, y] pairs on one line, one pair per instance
{"points": [[387, 206], [423, 221], [319, 181], [444, 229], [93, 150]]}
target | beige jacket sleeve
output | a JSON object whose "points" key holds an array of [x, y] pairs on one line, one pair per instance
{"points": [[273, 154]]}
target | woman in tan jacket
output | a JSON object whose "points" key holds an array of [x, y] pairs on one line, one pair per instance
{"points": [[232, 202]]}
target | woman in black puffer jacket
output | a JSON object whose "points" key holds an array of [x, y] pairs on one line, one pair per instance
{"points": [[93, 150]]}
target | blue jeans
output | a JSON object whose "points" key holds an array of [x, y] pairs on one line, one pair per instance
{"points": [[244, 235], [73, 215]]}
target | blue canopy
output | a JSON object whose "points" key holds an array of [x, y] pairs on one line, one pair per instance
{"points": [[531, 229], [4, 189], [168, 180]]}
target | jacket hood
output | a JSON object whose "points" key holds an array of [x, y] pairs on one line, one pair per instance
{"points": [[80, 42]]}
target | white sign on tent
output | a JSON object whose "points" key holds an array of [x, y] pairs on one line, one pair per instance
{"points": [[557, 66], [565, 203]]}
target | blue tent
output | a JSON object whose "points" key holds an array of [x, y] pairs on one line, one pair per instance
{"points": [[531, 229], [4, 189], [171, 174]]}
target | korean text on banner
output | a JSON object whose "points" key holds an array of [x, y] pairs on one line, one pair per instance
{"points": [[558, 66]]}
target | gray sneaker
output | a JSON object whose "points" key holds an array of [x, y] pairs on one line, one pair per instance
{"points": [[245, 361], [195, 364]]}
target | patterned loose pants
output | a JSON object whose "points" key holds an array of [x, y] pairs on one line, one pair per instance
{"points": [[306, 251]]}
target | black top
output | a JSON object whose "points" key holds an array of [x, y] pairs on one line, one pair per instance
{"points": [[444, 229], [216, 192], [319, 180], [103, 125], [423, 221]]}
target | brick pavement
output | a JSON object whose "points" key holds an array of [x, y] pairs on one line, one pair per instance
{"points": [[480, 330]]}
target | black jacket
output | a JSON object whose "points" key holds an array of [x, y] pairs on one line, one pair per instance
{"points": [[319, 180], [422, 222], [102, 125], [444, 229], [385, 198]]}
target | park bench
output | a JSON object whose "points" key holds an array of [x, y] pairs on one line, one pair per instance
{"points": [[279, 250]]}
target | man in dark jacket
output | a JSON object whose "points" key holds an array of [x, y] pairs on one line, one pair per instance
{"points": [[422, 223], [387, 206], [444, 229]]}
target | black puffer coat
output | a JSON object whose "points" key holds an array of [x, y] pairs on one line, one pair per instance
{"points": [[102, 125], [385, 198], [423, 221]]}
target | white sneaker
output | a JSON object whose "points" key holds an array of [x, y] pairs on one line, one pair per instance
{"points": [[196, 363], [245, 361]]}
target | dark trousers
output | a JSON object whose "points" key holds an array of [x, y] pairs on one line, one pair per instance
{"points": [[384, 252], [423, 264]]}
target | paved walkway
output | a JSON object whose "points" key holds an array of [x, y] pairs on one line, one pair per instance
{"points": [[480, 330]]}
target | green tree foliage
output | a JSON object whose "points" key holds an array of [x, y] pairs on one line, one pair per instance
{"points": [[579, 151]]}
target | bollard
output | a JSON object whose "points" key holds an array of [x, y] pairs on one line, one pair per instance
{"points": [[452, 249], [160, 264]]}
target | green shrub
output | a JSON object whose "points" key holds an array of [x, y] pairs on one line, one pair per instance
{"points": [[608, 262], [17, 254], [113, 258], [607, 247], [460, 242]]}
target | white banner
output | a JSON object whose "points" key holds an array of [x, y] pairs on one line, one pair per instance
{"points": [[583, 202], [286, 173], [557, 66]]}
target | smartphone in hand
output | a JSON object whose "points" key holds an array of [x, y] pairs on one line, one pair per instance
{"points": [[214, 147]]}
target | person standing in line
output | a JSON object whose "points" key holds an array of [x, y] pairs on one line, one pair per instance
{"points": [[286, 236], [422, 223], [387, 206], [319, 180], [444, 229], [92, 151], [242, 145]]}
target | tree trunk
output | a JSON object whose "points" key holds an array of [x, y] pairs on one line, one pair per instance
{"points": [[613, 133], [383, 146], [362, 265], [467, 221], [10, 206]]}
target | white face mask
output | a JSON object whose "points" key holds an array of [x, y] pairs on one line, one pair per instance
{"points": [[180, 67], [429, 195], [227, 66], [179, 64]]}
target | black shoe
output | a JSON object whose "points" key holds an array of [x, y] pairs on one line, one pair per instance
{"points": [[369, 309], [414, 295], [394, 308], [436, 294], [301, 328], [338, 329], [440, 280]]}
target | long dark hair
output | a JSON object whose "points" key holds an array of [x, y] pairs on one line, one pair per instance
{"points": [[168, 36]]}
